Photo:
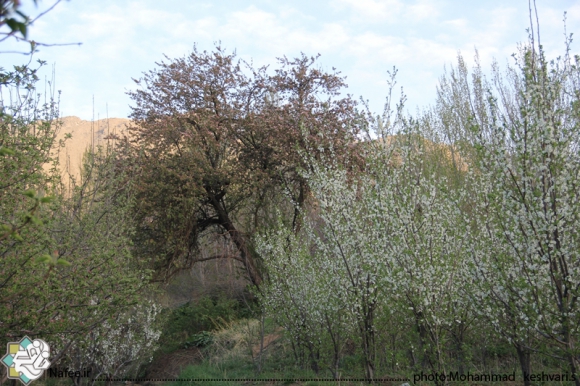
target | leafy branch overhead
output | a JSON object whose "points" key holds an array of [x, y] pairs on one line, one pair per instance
{"points": [[14, 18], [18, 24]]}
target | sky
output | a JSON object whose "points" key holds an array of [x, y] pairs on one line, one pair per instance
{"points": [[363, 39]]}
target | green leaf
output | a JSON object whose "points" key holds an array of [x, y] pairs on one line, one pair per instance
{"points": [[22, 14], [17, 237], [13, 24], [35, 220], [16, 25], [23, 29], [30, 193], [44, 259], [46, 199], [62, 262], [6, 151]]}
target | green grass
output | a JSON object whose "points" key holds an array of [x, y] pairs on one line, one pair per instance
{"points": [[230, 357], [240, 369]]}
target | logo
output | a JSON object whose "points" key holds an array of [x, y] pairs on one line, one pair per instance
{"points": [[26, 360]]}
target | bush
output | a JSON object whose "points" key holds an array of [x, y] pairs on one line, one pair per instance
{"points": [[191, 324], [202, 339]]}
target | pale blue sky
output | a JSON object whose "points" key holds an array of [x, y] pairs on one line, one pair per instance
{"points": [[361, 38]]}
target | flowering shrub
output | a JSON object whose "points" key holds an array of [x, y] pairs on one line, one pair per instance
{"points": [[524, 179], [464, 223], [117, 346]]}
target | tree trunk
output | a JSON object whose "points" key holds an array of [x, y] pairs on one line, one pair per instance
{"points": [[568, 339], [458, 338], [524, 358], [239, 241], [574, 369], [572, 360], [247, 258], [424, 346], [368, 340]]}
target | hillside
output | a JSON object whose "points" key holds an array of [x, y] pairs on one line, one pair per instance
{"points": [[85, 134]]}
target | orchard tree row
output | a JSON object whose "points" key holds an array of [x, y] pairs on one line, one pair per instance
{"points": [[460, 236]]}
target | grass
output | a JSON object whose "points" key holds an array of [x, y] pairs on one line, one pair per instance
{"points": [[232, 355], [230, 342]]}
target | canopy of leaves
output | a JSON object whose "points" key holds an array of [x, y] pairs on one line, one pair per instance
{"points": [[217, 145]]}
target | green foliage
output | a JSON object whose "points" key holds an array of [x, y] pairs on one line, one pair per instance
{"points": [[232, 355], [18, 23], [240, 369], [67, 274], [66, 267], [201, 339], [88, 285], [14, 18], [27, 130], [208, 370], [4, 151], [191, 324]]}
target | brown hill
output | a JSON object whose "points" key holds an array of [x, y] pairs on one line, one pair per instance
{"points": [[94, 133], [85, 134]]}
